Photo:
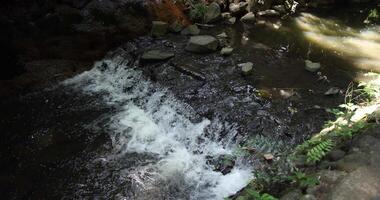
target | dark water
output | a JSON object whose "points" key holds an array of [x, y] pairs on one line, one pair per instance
{"points": [[134, 130]]}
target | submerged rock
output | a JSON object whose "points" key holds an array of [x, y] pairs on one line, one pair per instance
{"points": [[191, 30], [226, 51], [202, 44], [312, 66], [246, 68], [159, 28], [156, 55], [231, 20], [213, 13], [248, 18]]}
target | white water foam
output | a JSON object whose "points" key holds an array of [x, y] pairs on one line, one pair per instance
{"points": [[153, 122]]}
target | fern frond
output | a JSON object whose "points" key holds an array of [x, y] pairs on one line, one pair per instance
{"points": [[317, 152]]}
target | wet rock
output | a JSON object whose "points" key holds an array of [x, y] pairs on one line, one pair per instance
{"points": [[332, 91], [226, 51], [175, 27], [258, 5], [280, 8], [222, 35], [246, 68], [312, 66], [202, 44], [159, 28], [248, 18], [156, 55], [268, 13], [191, 30], [336, 155], [238, 8], [308, 197], [363, 183], [213, 13], [292, 195], [226, 15], [231, 20]]}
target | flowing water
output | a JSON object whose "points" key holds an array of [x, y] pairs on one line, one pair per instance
{"points": [[152, 123], [133, 130]]}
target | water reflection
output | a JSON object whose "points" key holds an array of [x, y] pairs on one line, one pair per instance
{"points": [[360, 47]]}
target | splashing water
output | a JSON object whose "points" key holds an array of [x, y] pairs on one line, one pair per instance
{"points": [[152, 122]]}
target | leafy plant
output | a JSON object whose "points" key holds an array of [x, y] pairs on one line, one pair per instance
{"points": [[319, 150], [255, 195], [304, 180], [198, 12]]}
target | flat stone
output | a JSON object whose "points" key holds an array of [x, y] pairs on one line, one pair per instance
{"points": [[268, 157], [191, 30], [248, 18], [202, 44], [226, 51], [292, 195], [312, 66], [159, 28], [156, 55]]}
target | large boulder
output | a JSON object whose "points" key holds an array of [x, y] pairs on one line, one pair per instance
{"points": [[213, 13], [363, 183], [202, 44]]}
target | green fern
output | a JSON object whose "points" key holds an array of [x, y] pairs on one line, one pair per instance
{"points": [[317, 152]]}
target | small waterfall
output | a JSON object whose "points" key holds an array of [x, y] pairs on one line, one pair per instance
{"points": [[152, 123]]}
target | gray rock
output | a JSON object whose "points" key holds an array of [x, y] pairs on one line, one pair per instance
{"points": [[222, 35], [268, 13], [231, 20], [353, 161], [258, 5], [246, 68], [175, 27], [336, 155], [312, 66], [213, 13], [202, 44], [292, 195], [191, 30], [280, 8], [363, 183], [248, 18], [159, 28], [332, 91], [238, 8], [226, 51], [330, 176], [156, 55], [308, 197], [226, 15]]}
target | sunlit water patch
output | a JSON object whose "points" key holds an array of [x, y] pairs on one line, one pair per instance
{"points": [[360, 47], [151, 121]]}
